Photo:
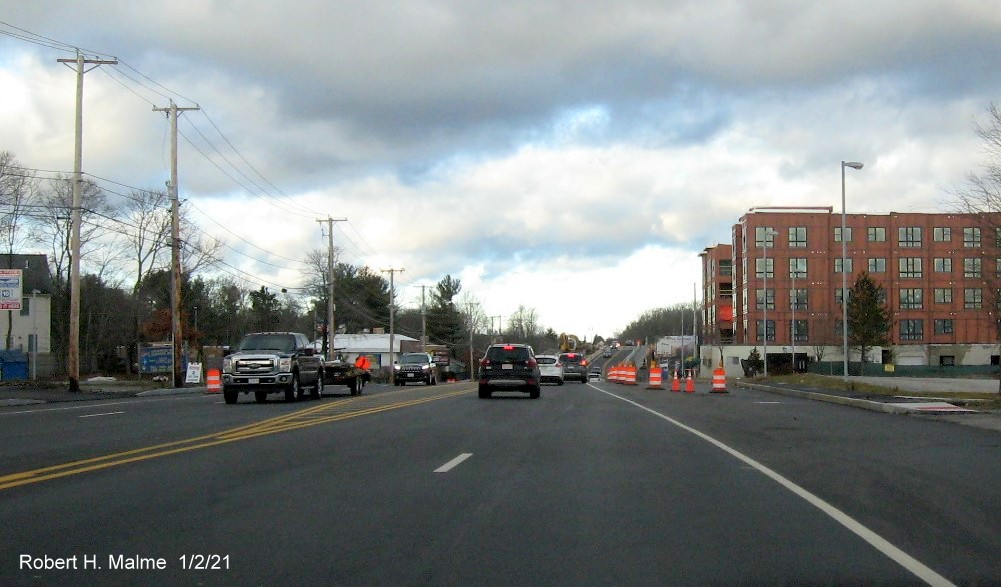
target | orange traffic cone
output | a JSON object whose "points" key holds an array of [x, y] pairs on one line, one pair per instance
{"points": [[689, 384], [656, 379], [212, 381], [676, 385], [719, 381]]}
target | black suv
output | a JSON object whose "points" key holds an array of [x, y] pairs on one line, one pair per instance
{"points": [[574, 367], [416, 367], [509, 367]]}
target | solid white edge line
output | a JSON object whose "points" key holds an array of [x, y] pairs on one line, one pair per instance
{"points": [[104, 414], [878, 542], [453, 463]]}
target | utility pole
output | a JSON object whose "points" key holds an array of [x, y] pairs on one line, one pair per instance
{"points": [[73, 358], [175, 246], [392, 299], [331, 327], [424, 322]]}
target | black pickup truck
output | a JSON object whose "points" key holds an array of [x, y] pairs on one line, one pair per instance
{"points": [[272, 362]]}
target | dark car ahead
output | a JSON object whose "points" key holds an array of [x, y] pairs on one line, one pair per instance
{"points": [[509, 367], [574, 367]]}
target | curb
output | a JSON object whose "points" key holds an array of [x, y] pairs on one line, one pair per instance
{"points": [[864, 404]]}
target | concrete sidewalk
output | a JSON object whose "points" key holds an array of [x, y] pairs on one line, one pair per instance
{"points": [[958, 411], [30, 394]]}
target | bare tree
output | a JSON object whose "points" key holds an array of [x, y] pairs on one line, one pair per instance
{"points": [[16, 190], [981, 196]]}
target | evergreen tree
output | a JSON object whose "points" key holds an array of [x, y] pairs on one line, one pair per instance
{"points": [[869, 320]]}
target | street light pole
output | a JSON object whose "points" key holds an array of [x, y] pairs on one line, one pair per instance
{"points": [[764, 253], [844, 265], [795, 299]]}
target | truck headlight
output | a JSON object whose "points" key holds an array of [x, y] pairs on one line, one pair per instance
{"points": [[227, 365], [285, 364]]}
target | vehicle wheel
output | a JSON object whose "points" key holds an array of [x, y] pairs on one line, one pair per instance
{"points": [[559, 382], [230, 396], [535, 392], [316, 392], [261, 396], [484, 392], [353, 386], [293, 391]]}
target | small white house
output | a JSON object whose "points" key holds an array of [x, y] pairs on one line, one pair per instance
{"points": [[374, 346]]}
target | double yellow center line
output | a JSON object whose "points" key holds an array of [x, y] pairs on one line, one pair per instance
{"points": [[321, 414]]}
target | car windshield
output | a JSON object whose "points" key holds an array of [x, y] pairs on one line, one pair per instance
{"points": [[413, 359], [268, 342]]}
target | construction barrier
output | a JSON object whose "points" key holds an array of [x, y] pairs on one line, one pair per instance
{"points": [[630, 376], [213, 381], [656, 379], [689, 384], [676, 385], [719, 381]]}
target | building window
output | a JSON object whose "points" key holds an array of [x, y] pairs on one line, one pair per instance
{"points": [[909, 236], [947, 361], [912, 329], [943, 295], [971, 267], [973, 298], [761, 296], [876, 234], [797, 237], [800, 330], [877, 265], [798, 299], [839, 295], [943, 326], [971, 237], [942, 234], [763, 267], [942, 265], [910, 266], [838, 266], [911, 299], [997, 267], [761, 329], [725, 267], [764, 236], [837, 234], [797, 268]]}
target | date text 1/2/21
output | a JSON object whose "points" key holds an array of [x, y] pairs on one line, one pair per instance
{"points": [[205, 562]]}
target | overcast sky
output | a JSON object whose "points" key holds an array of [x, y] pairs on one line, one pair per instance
{"points": [[571, 157]]}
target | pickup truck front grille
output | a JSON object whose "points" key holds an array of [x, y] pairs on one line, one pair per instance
{"points": [[253, 366]]}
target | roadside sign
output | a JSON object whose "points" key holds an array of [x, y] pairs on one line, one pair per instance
{"points": [[194, 373], [10, 289]]}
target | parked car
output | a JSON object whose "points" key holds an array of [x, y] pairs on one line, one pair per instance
{"points": [[509, 367], [550, 369], [574, 366]]}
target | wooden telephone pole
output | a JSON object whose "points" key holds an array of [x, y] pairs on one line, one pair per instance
{"points": [[73, 358], [175, 247]]}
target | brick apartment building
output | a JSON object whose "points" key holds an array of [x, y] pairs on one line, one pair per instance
{"points": [[941, 275]]}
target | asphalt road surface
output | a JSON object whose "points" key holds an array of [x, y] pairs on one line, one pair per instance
{"points": [[592, 484]]}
